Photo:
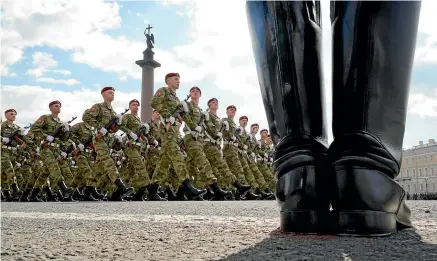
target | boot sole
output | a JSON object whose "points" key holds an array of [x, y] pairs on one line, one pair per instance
{"points": [[304, 222], [362, 223]]}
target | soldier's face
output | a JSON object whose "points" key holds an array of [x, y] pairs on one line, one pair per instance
{"points": [[213, 105], [55, 108], [173, 82], [255, 129], [243, 123], [269, 140], [10, 116], [264, 134], [195, 94], [134, 107], [230, 112], [155, 115], [108, 95]]}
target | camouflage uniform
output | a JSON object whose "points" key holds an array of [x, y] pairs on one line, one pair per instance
{"points": [[262, 160], [130, 125], [197, 163], [242, 155], [165, 102], [152, 153], [253, 146]]}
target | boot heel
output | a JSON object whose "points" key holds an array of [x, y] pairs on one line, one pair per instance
{"points": [[303, 221], [366, 223]]}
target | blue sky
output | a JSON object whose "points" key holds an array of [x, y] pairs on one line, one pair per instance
{"points": [[68, 50]]}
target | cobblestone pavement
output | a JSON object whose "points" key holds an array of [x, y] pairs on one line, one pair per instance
{"points": [[238, 230]]}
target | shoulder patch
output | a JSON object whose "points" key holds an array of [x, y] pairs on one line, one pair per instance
{"points": [[93, 109], [40, 120], [159, 93]]}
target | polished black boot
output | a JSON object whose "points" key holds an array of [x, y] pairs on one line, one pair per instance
{"points": [[123, 189], [139, 195], [7, 195], [50, 196], [25, 196], [171, 195], [219, 193], [373, 52], [66, 192], [286, 39], [190, 190], [251, 196], [88, 194], [34, 195], [242, 188], [264, 195], [153, 192], [16, 192]]}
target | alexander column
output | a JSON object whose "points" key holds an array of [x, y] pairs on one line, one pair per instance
{"points": [[148, 64]]}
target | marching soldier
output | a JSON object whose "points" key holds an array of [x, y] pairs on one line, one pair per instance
{"points": [[167, 104], [230, 149], [51, 133], [196, 158], [99, 116], [253, 147], [212, 148], [132, 126], [263, 159], [11, 142], [152, 153]]}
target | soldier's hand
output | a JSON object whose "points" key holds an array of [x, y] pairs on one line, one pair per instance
{"points": [[120, 119], [103, 131], [50, 138], [180, 118], [172, 120], [5, 140], [66, 127], [219, 135], [81, 147], [133, 136]]}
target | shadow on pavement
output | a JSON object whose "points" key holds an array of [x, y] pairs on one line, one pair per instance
{"points": [[405, 245]]}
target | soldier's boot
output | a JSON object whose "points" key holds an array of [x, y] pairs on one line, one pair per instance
{"points": [[139, 195], [16, 193], [288, 60], [180, 194], [264, 195], [242, 188], [2, 195], [25, 196], [191, 191], [88, 194], [66, 193], [77, 195], [123, 189], [7, 194], [35, 195], [268, 191], [161, 192], [219, 193], [153, 192], [97, 193], [171, 195], [373, 53], [251, 196], [50, 196], [209, 195]]}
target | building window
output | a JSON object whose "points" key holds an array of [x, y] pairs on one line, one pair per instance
{"points": [[408, 188], [414, 173], [421, 187], [408, 173], [433, 187], [414, 188], [420, 172], [426, 172], [432, 171]]}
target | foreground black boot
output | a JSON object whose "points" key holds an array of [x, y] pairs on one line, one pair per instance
{"points": [[242, 188], [25, 196], [219, 193], [286, 39], [190, 190], [123, 190], [153, 192], [139, 195], [88, 194], [66, 192], [34, 195], [373, 51], [51, 197]]}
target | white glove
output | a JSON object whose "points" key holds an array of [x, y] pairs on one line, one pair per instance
{"points": [[172, 120], [233, 138], [156, 143], [5, 140], [120, 119], [245, 147], [103, 131], [18, 165], [219, 135], [145, 125], [50, 138], [118, 163], [133, 136], [66, 127], [252, 155], [120, 139], [198, 129], [22, 130], [81, 147], [63, 154]]}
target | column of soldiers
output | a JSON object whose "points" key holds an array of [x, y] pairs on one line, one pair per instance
{"points": [[88, 161]]}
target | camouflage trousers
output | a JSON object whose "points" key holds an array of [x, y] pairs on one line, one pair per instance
{"points": [[221, 169], [54, 171], [25, 175], [170, 156], [197, 163], [85, 173], [140, 176], [268, 175], [7, 169], [247, 171], [152, 158], [105, 165], [259, 177], [230, 153]]}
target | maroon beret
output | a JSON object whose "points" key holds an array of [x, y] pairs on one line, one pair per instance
{"points": [[106, 89], [9, 110], [196, 88], [55, 102], [168, 75], [255, 124], [230, 107], [243, 118], [211, 100], [134, 100], [264, 130]]}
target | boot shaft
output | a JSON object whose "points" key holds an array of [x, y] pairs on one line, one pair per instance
{"points": [[373, 52]]}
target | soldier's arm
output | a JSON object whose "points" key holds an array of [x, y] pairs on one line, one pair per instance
{"points": [[90, 117], [226, 134], [210, 127], [158, 101], [124, 124], [37, 128], [187, 117]]}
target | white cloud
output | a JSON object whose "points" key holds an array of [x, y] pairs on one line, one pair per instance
{"points": [[63, 72], [42, 63], [139, 14], [180, 13], [422, 105], [68, 82]]}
